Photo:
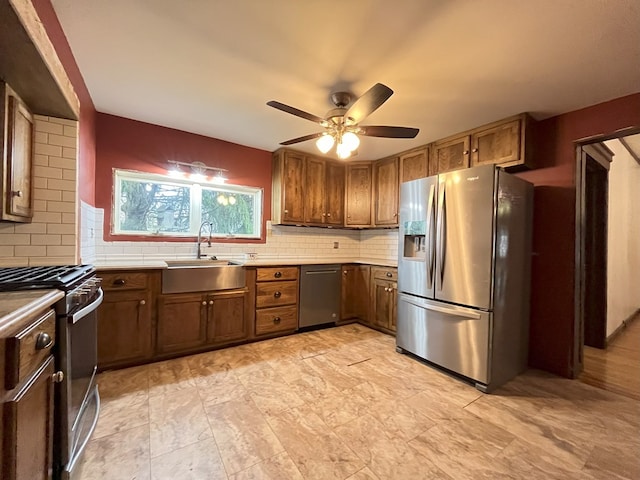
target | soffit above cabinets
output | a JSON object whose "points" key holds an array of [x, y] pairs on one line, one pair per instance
{"points": [[30, 65]]}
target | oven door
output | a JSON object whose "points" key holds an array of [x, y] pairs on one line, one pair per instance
{"points": [[79, 404]]}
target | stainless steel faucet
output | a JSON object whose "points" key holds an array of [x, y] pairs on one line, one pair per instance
{"points": [[208, 239]]}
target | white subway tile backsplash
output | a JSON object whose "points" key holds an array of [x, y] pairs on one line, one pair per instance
{"points": [[45, 240], [68, 152], [47, 127], [55, 184], [30, 250], [61, 140]]}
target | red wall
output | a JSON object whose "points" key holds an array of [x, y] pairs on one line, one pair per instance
{"points": [[553, 264], [87, 131], [133, 145]]}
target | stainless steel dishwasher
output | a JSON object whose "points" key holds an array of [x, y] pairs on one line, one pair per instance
{"points": [[319, 295]]}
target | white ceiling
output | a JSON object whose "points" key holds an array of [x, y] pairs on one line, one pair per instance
{"points": [[210, 66]]}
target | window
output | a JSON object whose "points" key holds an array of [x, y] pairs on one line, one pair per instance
{"points": [[153, 204]]}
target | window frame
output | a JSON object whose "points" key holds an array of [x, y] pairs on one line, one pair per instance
{"points": [[196, 187]]}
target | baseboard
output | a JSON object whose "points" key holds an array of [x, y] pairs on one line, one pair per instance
{"points": [[625, 323]]}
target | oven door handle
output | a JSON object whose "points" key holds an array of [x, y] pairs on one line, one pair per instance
{"points": [[89, 308], [77, 451]]}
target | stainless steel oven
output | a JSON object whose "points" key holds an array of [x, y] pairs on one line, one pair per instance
{"points": [[77, 401]]}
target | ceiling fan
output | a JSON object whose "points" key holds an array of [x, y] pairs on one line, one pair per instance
{"points": [[342, 124]]}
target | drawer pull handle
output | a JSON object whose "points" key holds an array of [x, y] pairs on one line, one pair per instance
{"points": [[389, 274], [17, 193], [204, 302], [277, 274], [143, 302], [119, 281], [276, 320], [57, 377], [277, 294], [210, 302], [43, 341]]}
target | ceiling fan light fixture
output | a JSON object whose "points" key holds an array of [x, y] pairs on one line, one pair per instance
{"points": [[350, 141], [325, 143], [342, 151]]}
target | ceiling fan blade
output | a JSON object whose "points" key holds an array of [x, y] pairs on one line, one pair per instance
{"points": [[368, 103], [296, 112], [302, 139], [389, 132]]}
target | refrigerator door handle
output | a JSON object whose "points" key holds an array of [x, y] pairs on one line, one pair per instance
{"points": [[452, 310], [431, 221], [442, 227]]}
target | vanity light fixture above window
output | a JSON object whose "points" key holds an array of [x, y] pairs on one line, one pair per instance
{"points": [[198, 171]]}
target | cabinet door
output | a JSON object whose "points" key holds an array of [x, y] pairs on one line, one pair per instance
{"points": [[393, 306], [334, 193], [386, 192], [226, 319], [355, 292], [19, 160], [28, 428], [499, 144], [314, 195], [382, 298], [358, 195], [182, 322], [450, 154], [124, 328], [414, 165], [293, 188]]}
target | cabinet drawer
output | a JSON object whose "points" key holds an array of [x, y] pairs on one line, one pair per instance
{"points": [[381, 273], [124, 281], [273, 294], [279, 319], [276, 273], [27, 350]]}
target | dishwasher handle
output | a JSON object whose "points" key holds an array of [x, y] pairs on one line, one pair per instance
{"points": [[320, 272]]}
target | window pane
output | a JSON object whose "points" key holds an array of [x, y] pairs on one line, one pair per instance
{"points": [[149, 206], [231, 213]]}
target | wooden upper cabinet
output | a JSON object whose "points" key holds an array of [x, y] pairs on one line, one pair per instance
{"points": [[17, 128], [288, 187], [414, 164], [359, 182], [502, 143], [449, 154], [314, 183], [386, 191], [334, 193]]}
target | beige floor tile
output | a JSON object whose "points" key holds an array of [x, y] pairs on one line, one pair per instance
{"points": [[170, 376], [364, 474], [198, 461], [118, 414], [177, 419], [128, 383], [317, 452], [279, 467], [611, 462], [269, 391], [243, 435], [124, 455]]}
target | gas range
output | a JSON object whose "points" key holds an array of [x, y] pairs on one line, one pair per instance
{"points": [[77, 281]]}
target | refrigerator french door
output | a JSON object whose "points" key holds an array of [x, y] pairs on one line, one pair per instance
{"points": [[463, 267]]}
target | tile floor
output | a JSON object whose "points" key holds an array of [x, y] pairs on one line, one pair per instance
{"points": [[342, 404]]}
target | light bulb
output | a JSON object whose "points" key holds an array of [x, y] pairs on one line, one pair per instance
{"points": [[232, 200], [350, 140], [342, 151], [325, 142], [219, 179]]}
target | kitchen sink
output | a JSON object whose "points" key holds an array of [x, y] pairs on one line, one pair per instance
{"points": [[185, 276]]}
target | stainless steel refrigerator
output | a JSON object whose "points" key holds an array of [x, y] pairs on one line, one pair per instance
{"points": [[464, 273]]}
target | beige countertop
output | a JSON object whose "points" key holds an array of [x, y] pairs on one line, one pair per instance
{"points": [[17, 307], [136, 263]]}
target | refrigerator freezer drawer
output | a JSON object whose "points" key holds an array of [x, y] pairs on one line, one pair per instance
{"points": [[455, 338]]}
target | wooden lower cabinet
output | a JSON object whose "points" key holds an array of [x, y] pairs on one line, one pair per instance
{"points": [[124, 328], [384, 299], [27, 428], [189, 322], [276, 300], [355, 292]]}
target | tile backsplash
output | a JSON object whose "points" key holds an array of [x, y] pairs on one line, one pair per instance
{"points": [[50, 239], [282, 242]]}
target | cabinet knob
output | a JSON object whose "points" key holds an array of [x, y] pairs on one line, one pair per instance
{"points": [[328, 214], [324, 214], [474, 150], [277, 274], [210, 302], [466, 152], [345, 272], [277, 294], [286, 211], [17, 193], [389, 274], [204, 302], [119, 281], [43, 340], [143, 302], [276, 320], [57, 377]]}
